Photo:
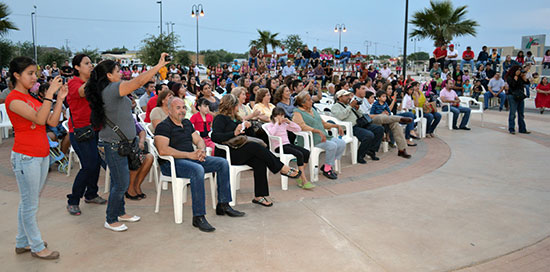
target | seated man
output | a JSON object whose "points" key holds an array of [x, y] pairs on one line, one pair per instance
{"points": [[496, 89], [175, 137], [369, 134], [448, 95], [383, 118]]}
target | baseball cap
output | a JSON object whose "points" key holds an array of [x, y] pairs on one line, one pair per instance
{"points": [[342, 93]]}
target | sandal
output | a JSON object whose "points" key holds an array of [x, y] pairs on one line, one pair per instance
{"points": [[308, 185], [262, 202], [300, 183], [292, 170]]}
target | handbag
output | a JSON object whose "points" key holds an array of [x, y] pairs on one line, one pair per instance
{"points": [[126, 148], [519, 95], [238, 141], [362, 121], [429, 107], [82, 134]]}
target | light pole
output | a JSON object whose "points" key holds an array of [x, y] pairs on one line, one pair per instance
{"points": [[340, 28], [160, 3], [195, 13], [367, 44], [33, 14], [405, 40]]}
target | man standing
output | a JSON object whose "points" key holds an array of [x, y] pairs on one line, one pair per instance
{"points": [[496, 88], [385, 72], [467, 57], [369, 134], [175, 136]]}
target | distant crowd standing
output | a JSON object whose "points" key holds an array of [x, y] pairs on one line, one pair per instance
{"points": [[112, 113]]}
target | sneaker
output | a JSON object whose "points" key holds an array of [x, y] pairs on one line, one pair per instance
{"points": [[96, 200], [73, 209]]}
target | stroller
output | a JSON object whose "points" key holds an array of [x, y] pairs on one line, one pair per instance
{"points": [[57, 156]]}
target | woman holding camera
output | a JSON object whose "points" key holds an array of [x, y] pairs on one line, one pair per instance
{"points": [[112, 109], [516, 80]]}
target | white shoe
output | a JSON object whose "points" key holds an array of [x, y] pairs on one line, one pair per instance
{"points": [[134, 218], [117, 229]]}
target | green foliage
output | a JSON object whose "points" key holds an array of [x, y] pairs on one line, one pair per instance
{"points": [[265, 39], [419, 56], [213, 57], [92, 53], [26, 49], [122, 49], [5, 24], [153, 46], [52, 54], [183, 57], [293, 42], [7, 52], [384, 57], [329, 50], [441, 22]]}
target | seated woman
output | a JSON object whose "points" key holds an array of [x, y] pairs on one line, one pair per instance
{"points": [[433, 117], [206, 93], [284, 100], [244, 111], [180, 91], [137, 176], [408, 106], [278, 127], [310, 120], [202, 121], [228, 124], [262, 104], [160, 112]]}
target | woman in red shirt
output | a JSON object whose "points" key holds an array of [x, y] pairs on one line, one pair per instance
{"points": [[85, 182], [30, 153], [542, 100]]}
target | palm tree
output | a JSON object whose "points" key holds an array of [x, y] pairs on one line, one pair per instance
{"points": [[5, 24], [442, 22], [265, 39]]}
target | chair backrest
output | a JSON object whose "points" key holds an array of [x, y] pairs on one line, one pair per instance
{"points": [[152, 148], [465, 101], [327, 100], [323, 108], [4, 118], [271, 147], [141, 117], [65, 125]]}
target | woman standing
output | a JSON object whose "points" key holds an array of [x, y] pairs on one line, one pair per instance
{"points": [[30, 153], [543, 95], [85, 182], [516, 80], [108, 99]]}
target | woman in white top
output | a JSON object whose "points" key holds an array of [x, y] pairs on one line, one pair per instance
{"points": [[407, 105], [262, 104]]}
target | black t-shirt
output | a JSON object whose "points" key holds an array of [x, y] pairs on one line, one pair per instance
{"points": [[67, 70], [181, 138], [307, 54], [490, 73]]}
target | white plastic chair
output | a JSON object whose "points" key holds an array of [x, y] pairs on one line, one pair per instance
{"points": [[348, 137], [72, 153], [447, 113], [467, 102], [5, 123], [234, 174], [285, 158], [141, 117], [329, 100], [323, 108], [179, 185], [315, 152]]}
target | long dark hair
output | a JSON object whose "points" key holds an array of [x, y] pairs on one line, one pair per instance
{"points": [[18, 65], [512, 72], [94, 87], [76, 62]]}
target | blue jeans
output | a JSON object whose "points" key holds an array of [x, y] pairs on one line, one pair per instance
{"points": [[518, 107], [527, 92], [432, 120], [194, 170], [85, 182], [471, 62], [369, 138], [489, 95], [479, 62], [456, 111], [30, 174], [120, 179], [344, 63], [304, 63], [410, 126], [334, 148]]}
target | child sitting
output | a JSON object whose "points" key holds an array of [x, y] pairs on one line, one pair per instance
{"points": [[477, 90], [467, 87], [278, 127], [202, 121]]}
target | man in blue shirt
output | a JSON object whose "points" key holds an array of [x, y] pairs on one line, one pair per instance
{"points": [[315, 57], [235, 68], [346, 55]]}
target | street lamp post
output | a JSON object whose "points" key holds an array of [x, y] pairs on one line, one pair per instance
{"points": [[33, 14], [340, 28], [405, 40], [195, 13], [160, 3]]}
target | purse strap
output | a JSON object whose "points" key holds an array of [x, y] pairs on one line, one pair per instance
{"points": [[116, 129]]}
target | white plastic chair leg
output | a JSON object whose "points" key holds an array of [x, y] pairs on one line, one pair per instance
{"points": [[213, 187], [157, 203], [177, 192], [234, 176]]}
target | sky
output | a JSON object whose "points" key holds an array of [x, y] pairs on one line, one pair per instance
{"points": [[230, 25]]}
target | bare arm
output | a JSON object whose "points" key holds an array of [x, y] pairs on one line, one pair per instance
{"points": [[164, 149], [42, 116], [127, 87]]}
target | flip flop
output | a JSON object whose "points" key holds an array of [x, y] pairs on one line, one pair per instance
{"points": [[308, 185], [294, 170], [262, 202], [299, 183]]}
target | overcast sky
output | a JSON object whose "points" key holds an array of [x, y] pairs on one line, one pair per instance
{"points": [[230, 25]]}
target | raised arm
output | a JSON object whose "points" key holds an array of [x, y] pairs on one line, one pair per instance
{"points": [[127, 87], [41, 116]]}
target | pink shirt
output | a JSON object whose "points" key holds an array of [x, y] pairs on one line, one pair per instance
{"points": [[280, 131], [448, 95]]}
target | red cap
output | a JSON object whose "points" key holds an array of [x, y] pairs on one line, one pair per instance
{"points": [[451, 45]]}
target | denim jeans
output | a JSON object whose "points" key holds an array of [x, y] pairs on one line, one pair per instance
{"points": [[456, 112], [518, 107], [432, 120], [527, 90], [410, 126], [334, 148], [30, 174], [489, 95], [369, 138], [194, 170], [85, 182], [471, 62], [120, 179], [344, 63], [479, 62], [304, 63]]}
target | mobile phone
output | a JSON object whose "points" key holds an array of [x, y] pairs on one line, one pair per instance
{"points": [[168, 58], [64, 80]]}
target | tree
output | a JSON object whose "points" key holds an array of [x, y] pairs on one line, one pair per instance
{"points": [[329, 50], [265, 39], [183, 57], [153, 46], [92, 53], [7, 52], [5, 24], [293, 42], [51, 55], [384, 57], [419, 56], [26, 49], [441, 22], [122, 49], [211, 59]]}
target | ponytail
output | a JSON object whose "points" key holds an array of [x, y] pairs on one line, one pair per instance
{"points": [[94, 88]]}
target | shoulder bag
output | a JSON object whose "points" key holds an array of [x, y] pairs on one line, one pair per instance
{"points": [[126, 148]]}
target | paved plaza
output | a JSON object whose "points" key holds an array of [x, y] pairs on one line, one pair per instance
{"points": [[467, 200]]}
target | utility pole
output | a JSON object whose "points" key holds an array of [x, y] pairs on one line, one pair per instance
{"points": [[33, 24], [405, 40], [160, 2]]}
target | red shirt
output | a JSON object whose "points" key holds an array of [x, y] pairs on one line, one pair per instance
{"points": [[468, 54], [198, 122], [438, 52], [79, 106], [30, 138], [151, 104]]}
